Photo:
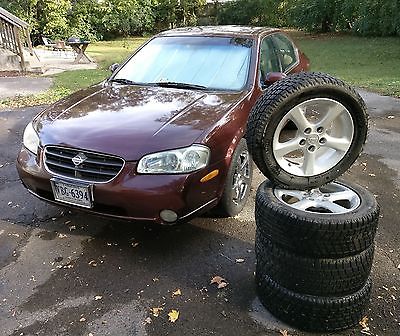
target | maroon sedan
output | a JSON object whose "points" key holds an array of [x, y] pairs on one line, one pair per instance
{"points": [[162, 138]]}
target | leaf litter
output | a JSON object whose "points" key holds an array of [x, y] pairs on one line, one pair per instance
{"points": [[220, 281]]}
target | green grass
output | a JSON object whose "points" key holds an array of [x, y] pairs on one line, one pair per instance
{"points": [[104, 53], [369, 63]]}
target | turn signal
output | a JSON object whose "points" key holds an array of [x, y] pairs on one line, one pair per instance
{"points": [[210, 176]]}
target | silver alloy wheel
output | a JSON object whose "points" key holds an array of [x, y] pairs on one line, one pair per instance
{"points": [[241, 177], [323, 135], [333, 198]]}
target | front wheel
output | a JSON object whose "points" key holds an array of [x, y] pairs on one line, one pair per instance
{"points": [[238, 182]]}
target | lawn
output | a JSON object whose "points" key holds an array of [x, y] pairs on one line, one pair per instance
{"points": [[105, 53], [370, 63]]}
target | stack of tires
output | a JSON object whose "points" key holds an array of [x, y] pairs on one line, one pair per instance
{"points": [[315, 235]]}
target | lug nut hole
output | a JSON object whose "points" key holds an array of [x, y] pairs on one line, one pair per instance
{"points": [[320, 129], [307, 130], [311, 149], [322, 141], [302, 142]]}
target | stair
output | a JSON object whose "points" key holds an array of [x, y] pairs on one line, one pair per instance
{"points": [[11, 62]]}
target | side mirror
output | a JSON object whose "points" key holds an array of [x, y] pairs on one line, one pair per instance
{"points": [[273, 77], [113, 67]]}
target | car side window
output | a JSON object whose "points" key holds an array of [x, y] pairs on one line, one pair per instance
{"points": [[269, 60], [286, 50]]}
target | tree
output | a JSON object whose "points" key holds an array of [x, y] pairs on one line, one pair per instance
{"points": [[126, 17], [52, 17], [252, 12], [177, 13], [84, 19]]}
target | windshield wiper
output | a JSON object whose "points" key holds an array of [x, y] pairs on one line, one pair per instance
{"points": [[179, 85], [122, 81]]}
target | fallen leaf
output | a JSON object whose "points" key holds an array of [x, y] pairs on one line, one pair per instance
{"points": [[147, 320], [82, 319], [220, 281], [364, 323], [284, 332], [98, 297], [372, 175], [155, 279], [222, 285], [177, 292], [72, 227], [390, 117], [62, 235], [173, 315], [92, 263], [156, 311], [239, 260]]}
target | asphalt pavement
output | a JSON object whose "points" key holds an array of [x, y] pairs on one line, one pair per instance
{"points": [[23, 86], [69, 273]]}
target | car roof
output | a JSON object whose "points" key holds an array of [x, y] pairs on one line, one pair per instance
{"points": [[244, 31]]}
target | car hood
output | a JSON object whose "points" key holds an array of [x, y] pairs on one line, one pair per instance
{"points": [[131, 121]]}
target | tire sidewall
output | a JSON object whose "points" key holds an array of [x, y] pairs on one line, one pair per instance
{"points": [[367, 203]]}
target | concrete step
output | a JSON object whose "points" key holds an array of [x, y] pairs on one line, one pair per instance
{"points": [[32, 63], [9, 61]]}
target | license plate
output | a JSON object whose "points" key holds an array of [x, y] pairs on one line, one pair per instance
{"points": [[72, 193]]}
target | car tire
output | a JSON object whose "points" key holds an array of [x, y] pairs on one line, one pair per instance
{"points": [[313, 313], [331, 122], [313, 276], [237, 183], [311, 231]]}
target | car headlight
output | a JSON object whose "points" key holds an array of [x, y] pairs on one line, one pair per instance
{"points": [[31, 139], [184, 160]]}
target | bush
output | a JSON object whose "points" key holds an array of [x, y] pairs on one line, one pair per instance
{"points": [[252, 12], [366, 17]]}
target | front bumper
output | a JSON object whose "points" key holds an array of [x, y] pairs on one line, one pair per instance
{"points": [[131, 196]]}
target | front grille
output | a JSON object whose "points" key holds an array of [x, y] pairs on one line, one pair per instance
{"points": [[96, 167]]}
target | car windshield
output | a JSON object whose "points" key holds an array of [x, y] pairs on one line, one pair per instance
{"points": [[217, 63]]}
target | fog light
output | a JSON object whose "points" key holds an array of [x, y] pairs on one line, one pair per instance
{"points": [[168, 216]]}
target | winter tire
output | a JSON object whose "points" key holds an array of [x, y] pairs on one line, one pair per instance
{"points": [[331, 127], [313, 313], [336, 220], [238, 182], [313, 276]]}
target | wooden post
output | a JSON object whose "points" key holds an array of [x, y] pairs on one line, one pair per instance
{"points": [[20, 48], [28, 38]]}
